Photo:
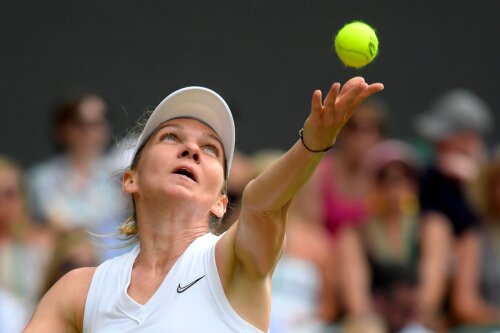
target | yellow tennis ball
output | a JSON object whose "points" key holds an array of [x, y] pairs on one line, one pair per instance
{"points": [[356, 44]]}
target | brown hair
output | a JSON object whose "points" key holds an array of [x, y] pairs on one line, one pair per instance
{"points": [[375, 110], [22, 223], [61, 261], [67, 111], [483, 190]]}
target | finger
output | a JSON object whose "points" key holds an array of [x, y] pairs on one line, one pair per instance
{"points": [[354, 90], [351, 83], [332, 95], [316, 102], [374, 88], [348, 100], [369, 91]]}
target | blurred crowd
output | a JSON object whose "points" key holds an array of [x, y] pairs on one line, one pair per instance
{"points": [[388, 235]]}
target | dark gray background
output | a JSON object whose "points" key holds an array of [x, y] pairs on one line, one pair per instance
{"points": [[264, 57]]}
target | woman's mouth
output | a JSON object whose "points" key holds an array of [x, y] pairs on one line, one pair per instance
{"points": [[186, 172]]}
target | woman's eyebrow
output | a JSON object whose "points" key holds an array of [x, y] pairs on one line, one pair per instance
{"points": [[210, 135], [179, 126], [170, 125]]}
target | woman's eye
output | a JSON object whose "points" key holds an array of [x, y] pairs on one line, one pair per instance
{"points": [[169, 137], [211, 150]]}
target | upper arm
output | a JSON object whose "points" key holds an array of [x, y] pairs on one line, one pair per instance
{"points": [[254, 243], [257, 240], [465, 288], [61, 308], [355, 272], [436, 241], [259, 235], [245, 257], [467, 302]]}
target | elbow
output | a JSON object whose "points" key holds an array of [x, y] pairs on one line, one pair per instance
{"points": [[262, 204], [254, 201], [461, 311], [467, 311]]}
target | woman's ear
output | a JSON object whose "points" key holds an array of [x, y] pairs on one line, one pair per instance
{"points": [[129, 184], [219, 207]]}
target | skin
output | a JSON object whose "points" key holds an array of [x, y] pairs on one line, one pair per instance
{"points": [[468, 303], [436, 243], [10, 207], [14, 221], [169, 224], [355, 275], [305, 239], [356, 272], [458, 156], [86, 138], [350, 177]]}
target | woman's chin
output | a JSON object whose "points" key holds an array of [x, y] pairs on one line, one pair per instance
{"points": [[177, 192]]}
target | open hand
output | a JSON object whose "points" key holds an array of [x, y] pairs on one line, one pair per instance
{"points": [[327, 118]]}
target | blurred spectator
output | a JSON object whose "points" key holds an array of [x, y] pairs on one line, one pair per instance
{"points": [[242, 171], [13, 315], [455, 125], [24, 247], [382, 253], [476, 289], [76, 188], [341, 177], [391, 232], [303, 278], [73, 249], [119, 157]]}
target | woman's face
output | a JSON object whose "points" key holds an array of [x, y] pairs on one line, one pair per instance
{"points": [[396, 184], [87, 135], [11, 201], [184, 158], [360, 133]]}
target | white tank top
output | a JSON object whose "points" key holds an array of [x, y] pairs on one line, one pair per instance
{"points": [[190, 298]]}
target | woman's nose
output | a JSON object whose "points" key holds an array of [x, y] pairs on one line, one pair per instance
{"points": [[189, 152]]}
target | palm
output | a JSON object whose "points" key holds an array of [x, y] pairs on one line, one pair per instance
{"points": [[327, 118]]}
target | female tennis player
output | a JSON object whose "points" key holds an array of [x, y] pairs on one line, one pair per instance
{"points": [[180, 277]]}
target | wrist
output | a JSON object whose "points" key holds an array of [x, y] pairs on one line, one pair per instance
{"points": [[312, 149]]}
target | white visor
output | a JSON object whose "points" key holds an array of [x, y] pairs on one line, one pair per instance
{"points": [[197, 103]]}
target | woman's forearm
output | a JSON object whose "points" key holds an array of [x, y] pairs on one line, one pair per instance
{"points": [[277, 185]]}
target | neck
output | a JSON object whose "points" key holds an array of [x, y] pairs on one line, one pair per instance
{"points": [[391, 214], [164, 234], [81, 163], [6, 231], [352, 163]]}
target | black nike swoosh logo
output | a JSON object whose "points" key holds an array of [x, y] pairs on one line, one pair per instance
{"points": [[183, 289]]}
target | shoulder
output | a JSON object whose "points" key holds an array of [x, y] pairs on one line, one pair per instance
{"points": [[71, 290], [432, 176], [78, 276], [40, 236], [61, 308], [45, 168]]}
